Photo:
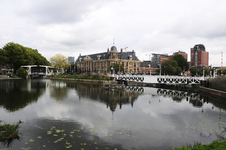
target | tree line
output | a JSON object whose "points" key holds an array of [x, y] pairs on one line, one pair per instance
{"points": [[17, 55]]}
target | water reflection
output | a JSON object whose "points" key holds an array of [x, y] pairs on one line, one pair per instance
{"points": [[59, 90], [111, 98], [19, 94], [86, 116]]}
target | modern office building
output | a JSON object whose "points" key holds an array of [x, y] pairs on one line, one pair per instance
{"points": [[159, 58], [199, 56], [101, 62], [71, 60]]}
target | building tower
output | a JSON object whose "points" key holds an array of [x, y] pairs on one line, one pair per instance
{"points": [[199, 56]]}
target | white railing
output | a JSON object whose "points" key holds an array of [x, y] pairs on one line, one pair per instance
{"points": [[161, 79]]}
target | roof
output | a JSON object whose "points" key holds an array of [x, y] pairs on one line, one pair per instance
{"points": [[113, 48], [146, 64], [199, 47], [105, 55]]}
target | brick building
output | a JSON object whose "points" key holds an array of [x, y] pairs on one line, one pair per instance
{"points": [[159, 58], [199, 56]]}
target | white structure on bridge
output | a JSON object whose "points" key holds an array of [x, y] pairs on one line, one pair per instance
{"points": [[38, 70], [161, 79]]}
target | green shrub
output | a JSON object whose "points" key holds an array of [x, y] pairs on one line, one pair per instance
{"points": [[22, 72], [216, 145]]}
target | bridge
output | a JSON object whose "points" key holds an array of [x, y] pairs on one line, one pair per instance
{"points": [[38, 70], [160, 79]]}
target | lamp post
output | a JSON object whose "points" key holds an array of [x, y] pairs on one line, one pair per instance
{"points": [[112, 70], [150, 68], [160, 69]]}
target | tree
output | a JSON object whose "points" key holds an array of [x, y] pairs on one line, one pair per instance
{"points": [[18, 55], [116, 68], [170, 67], [22, 73], [219, 72], [59, 61], [181, 61], [194, 70], [3, 57]]}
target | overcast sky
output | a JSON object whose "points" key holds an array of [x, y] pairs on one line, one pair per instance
{"points": [[72, 27]]}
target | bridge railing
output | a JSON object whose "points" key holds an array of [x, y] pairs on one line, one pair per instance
{"points": [[160, 79]]}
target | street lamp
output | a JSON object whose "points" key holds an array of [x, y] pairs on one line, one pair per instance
{"points": [[150, 68], [112, 70], [160, 69]]}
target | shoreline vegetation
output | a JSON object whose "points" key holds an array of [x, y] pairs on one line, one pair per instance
{"points": [[82, 76], [8, 132], [215, 145]]}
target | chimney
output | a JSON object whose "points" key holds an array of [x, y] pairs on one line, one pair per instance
{"points": [[121, 50], [108, 50], [133, 52], [80, 54]]}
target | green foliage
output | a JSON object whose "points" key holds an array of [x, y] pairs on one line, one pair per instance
{"points": [[3, 57], [116, 68], [216, 145], [82, 76], [22, 73], [18, 55], [219, 72], [181, 61], [206, 71], [194, 70], [170, 67]]}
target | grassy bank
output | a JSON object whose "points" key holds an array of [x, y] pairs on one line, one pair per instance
{"points": [[8, 132], [216, 145], [82, 76]]}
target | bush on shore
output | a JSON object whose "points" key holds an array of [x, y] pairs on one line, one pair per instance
{"points": [[22, 73], [218, 83], [216, 145], [83, 76]]}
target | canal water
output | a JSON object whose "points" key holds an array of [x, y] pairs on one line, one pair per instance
{"points": [[58, 115]]}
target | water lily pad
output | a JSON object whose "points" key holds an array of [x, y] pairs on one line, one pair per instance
{"points": [[49, 132], [39, 137], [26, 143], [55, 135], [58, 131], [56, 141], [31, 140]]}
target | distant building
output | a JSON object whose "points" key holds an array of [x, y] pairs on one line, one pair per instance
{"points": [[148, 67], [71, 60], [199, 56], [185, 55], [159, 58], [101, 62]]}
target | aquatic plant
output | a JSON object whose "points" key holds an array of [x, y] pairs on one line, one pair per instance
{"points": [[8, 132]]}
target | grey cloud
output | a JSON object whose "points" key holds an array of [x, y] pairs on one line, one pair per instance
{"points": [[58, 11]]}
